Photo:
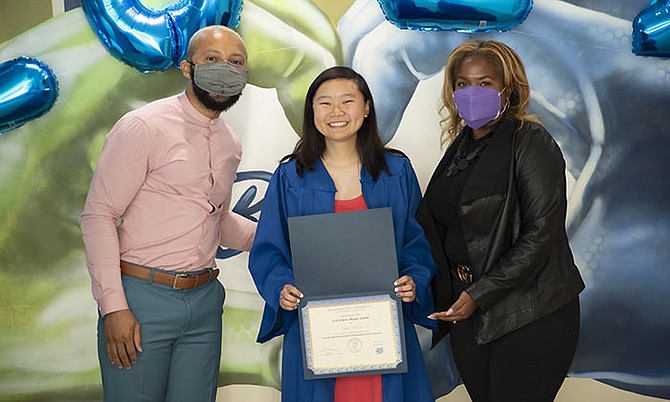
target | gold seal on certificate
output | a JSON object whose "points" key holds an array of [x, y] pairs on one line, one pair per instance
{"points": [[351, 321], [351, 335]]}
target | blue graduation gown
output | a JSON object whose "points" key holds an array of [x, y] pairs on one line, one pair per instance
{"points": [[270, 264]]}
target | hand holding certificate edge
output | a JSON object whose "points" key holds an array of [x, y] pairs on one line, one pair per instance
{"points": [[404, 288], [289, 297]]}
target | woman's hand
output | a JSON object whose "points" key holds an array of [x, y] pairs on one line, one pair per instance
{"points": [[461, 310], [289, 297], [405, 288]]}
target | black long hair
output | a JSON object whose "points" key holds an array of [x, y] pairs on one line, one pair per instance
{"points": [[368, 143]]}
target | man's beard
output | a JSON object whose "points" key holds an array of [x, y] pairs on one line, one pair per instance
{"points": [[209, 102]]}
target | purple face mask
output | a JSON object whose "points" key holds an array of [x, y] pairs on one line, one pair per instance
{"points": [[477, 105]]}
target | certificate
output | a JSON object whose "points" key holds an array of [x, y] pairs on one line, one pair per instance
{"points": [[351, 335], [351, 321]]}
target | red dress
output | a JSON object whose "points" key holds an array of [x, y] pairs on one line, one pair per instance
{"points": [[359, 388]]}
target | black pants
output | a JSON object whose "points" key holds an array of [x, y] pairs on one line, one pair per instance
{"points": [[526, 365]]}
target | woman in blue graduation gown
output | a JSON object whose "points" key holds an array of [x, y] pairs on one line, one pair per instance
{"points": [[339, 160]]}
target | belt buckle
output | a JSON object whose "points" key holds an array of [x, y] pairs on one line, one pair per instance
{"points": [[176, 278], [464, 273]]}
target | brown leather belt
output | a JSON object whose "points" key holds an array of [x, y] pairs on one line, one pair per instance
{"points": [[174, 280]]}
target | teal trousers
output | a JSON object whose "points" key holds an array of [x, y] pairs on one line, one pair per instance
{"points": [[181, 342]]}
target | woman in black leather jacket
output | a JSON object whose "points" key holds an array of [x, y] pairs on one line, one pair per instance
{"points": [[494, 211]]}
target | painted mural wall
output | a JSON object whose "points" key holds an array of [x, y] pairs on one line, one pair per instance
{"points": [[606, 106]]}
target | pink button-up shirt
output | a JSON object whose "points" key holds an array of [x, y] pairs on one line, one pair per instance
{"points": [[161, 196]]}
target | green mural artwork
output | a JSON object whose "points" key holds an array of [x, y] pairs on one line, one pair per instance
{"points": [[47, 339]]}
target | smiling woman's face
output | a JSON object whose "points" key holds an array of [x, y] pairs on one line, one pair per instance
{"points": [[339, 110]]}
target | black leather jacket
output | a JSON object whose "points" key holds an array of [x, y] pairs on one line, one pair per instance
{"points": [[516, 240]]}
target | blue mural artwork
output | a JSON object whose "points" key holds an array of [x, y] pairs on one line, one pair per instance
{"points": [[607, 110], [605, 104], [247, 204]]}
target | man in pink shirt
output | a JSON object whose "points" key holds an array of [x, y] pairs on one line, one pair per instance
{"points": [[158, 206]]}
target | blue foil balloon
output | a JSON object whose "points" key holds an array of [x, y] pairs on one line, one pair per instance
{"points": [[456, 15], [28, 89], [651, 30], [153, 40]]}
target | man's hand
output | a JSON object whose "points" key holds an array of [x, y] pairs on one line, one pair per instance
{"points": [[122, 337]]}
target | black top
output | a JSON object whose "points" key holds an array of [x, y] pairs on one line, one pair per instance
{"points": [[443, 197]]}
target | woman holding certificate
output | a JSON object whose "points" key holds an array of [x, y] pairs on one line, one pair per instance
{"points": [[340, 165], [494, 211]]}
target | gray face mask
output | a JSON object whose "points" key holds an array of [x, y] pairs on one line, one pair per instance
{"points": [[223, 78]]}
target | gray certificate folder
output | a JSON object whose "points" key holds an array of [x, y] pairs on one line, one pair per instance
{"points": [[346, 252], [345, 263]]}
